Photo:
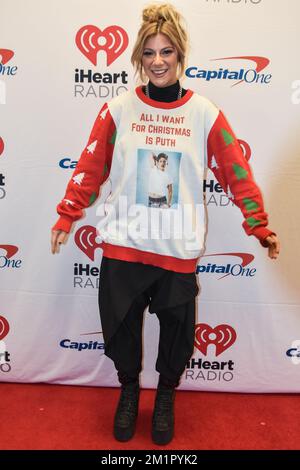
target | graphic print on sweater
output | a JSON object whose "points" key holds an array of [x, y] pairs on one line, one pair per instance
{"points": [[157, 178]]}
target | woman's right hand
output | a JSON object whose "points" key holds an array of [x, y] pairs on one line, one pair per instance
{"points": [[57, 238]]}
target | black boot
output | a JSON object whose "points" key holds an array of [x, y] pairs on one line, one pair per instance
{"points": [[127, 411], [163, 414]]}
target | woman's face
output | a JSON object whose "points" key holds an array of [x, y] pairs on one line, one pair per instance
{"points": [[160, 59]]}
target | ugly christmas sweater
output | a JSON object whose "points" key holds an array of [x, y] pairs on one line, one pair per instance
{"points": [[154, 156]]}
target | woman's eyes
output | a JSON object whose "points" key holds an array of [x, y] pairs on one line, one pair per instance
{"points": [[166, 52]]}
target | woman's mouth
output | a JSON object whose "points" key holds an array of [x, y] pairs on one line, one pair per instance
{"points": [[159, 73]]}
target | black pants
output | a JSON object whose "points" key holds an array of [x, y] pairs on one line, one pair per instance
{"points": [[122, 329]]}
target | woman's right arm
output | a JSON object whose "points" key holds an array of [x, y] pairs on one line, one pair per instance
{"points": [[91, 172]]}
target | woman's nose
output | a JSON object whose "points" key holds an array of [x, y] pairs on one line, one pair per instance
{"points": [[158, 59]]}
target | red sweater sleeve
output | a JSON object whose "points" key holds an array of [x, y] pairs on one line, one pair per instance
{"points": [[231, 169], [91, 171]]}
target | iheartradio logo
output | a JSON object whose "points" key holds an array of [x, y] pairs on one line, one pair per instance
{"points": [[4, 327], [85, 239], [90, 40], [222, 336]]}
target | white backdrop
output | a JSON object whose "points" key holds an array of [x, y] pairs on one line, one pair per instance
{"points": [[248, 327]]}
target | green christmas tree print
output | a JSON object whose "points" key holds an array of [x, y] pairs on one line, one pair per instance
{"points": [[252, 222], [228, 138], [250, 205], [240, 172]]}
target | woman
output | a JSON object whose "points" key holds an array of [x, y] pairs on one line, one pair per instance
{"points": [[149, 269]]}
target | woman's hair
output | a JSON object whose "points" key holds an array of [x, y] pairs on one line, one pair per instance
{"points": [[160, 18]]}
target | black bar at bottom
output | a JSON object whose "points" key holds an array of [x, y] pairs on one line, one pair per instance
{"points": [[139, 458]]}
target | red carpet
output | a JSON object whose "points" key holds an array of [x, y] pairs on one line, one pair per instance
{"points": [[39, 416]]}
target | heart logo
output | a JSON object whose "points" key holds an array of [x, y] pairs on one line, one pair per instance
{"points": [[4, 327], [85, 239], [222, 336], [90, 40], [1, 145]]}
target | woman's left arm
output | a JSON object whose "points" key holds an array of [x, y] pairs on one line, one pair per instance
{"points": [[233, 172]]}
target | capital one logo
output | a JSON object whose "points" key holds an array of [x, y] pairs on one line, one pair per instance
{"points": [[260, 62], [6, 259], [243, 75], [238, 269], [85, 239], [11, 250], [90, 40], [222, 336], [294, 352], [5, 56]]}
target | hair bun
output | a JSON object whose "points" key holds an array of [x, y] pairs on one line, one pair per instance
{"points": [[163, 12]]}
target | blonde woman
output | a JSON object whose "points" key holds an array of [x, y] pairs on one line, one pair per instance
{"points": [[137, 272]]}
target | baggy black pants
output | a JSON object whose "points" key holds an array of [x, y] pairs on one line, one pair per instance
{"points": [[122, 328]]}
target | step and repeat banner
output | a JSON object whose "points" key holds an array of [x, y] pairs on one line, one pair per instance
{"points": [[60, 62]]}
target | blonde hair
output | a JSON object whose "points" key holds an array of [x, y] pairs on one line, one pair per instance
{"points": [[160, 18]]}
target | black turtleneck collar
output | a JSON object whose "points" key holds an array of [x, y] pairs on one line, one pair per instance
{"points": [[166, 94]]}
